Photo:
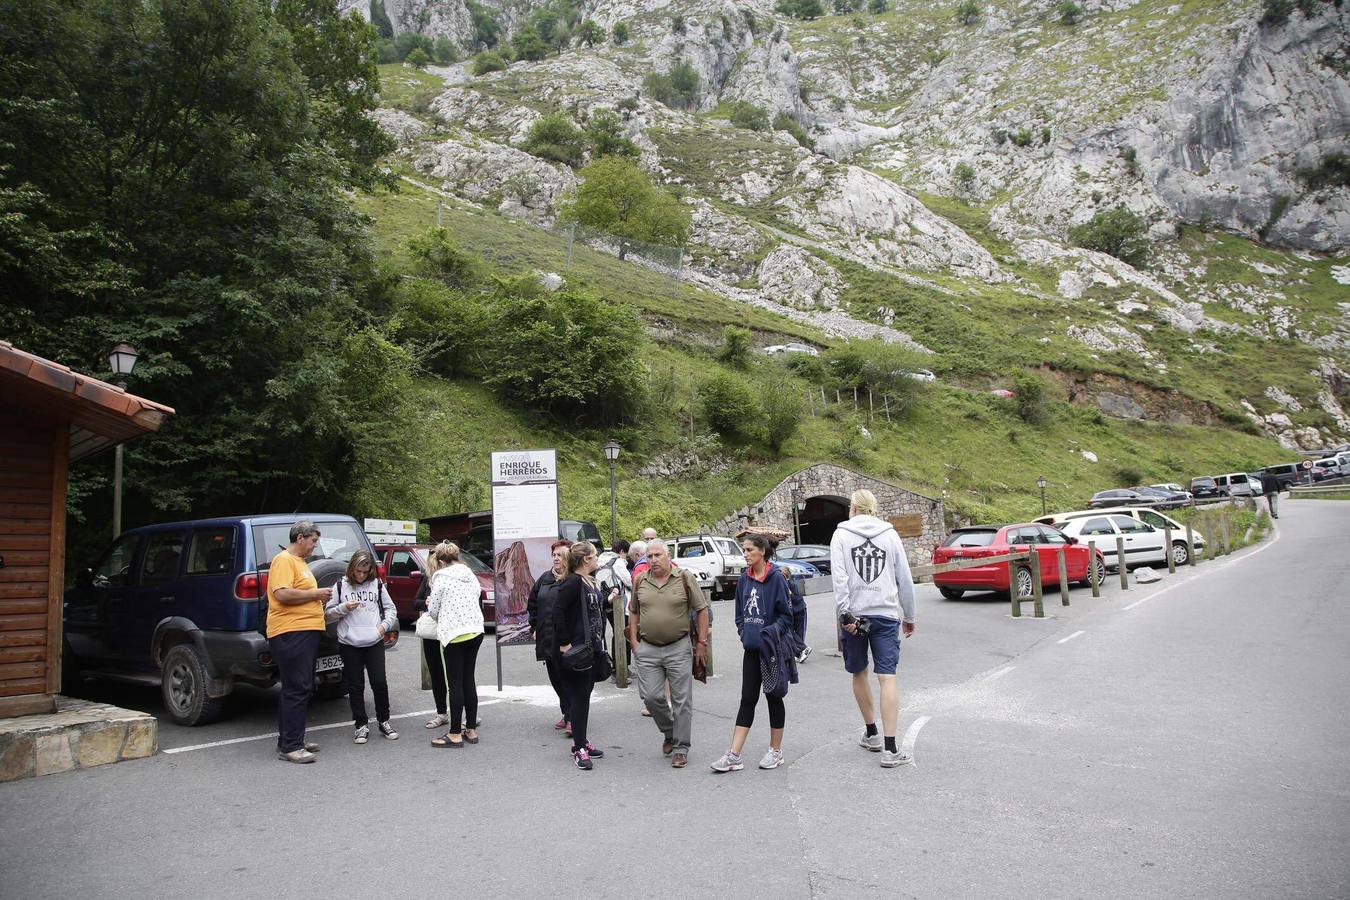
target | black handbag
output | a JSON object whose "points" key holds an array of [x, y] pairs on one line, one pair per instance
{"points": [[603, 667], [579, 657]]}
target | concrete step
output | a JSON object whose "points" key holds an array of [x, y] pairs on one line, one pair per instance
{"points": [[79, 735]]}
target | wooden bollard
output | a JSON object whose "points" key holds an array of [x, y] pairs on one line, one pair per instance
{"points": [[1167, 545], [620, 646], [1014, 593], [1092, 570], [1227, 534], [1063, 578], [1120, 564], [1190, 545], [1037, 605]]}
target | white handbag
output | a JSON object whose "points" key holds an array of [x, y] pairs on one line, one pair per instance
{"points": [[426, 627]]}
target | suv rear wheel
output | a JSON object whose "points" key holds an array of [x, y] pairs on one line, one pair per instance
{"points": [[184, 687]]}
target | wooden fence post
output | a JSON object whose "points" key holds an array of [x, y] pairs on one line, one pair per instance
{"points": [[1037, 605], [1190, 545], [1092, 570], [620, 647], [1167, 545], [1014, 592], [1120, 564], [1063, 579]]}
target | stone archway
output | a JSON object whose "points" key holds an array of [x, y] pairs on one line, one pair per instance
{"points": [[826, 488]]}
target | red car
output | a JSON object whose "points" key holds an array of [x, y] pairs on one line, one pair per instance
{"points": [[994, 540], [405, 565]]}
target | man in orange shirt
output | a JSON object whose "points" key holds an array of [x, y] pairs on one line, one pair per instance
{"points": [[294, 626]]}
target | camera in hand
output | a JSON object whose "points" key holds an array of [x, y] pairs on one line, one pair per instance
{"points": [[863, 625]]}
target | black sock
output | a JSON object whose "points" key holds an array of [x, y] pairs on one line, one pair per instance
{"points": [[890, 744], [871, 729]]}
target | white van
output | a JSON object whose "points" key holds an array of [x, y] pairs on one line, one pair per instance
{"points": [[1237, 484], [716, 560]]}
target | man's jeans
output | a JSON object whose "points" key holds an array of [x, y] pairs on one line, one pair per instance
{"points": [[1272, 500], [673, 663]]}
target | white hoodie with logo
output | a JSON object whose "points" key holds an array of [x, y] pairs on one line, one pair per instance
{"points": [[869, 570]]}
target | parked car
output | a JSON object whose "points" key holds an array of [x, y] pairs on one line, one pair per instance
{"points": [[784, 349], [1203, 487], [184, 605], [1120, 497], [1144, 543], [1002, 392], [817, 555], [1171, 486], [1327, 468], [921, 375], [1164, 499], [797, 568], [979, 541], [405, 566], [1145, 514], [717, 561], [1237, 484], [1286, 474]]}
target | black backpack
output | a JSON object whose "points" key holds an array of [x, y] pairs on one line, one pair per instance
{"points": [[380, 591]]}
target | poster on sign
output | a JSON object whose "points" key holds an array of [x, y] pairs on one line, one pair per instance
{"points": [[524, 525]]}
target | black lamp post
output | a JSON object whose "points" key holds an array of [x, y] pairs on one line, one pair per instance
{"points": [[612, 455], [1041, 483], [122, 358]]}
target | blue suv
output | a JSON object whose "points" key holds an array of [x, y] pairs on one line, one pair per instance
{"points": [[184, 606]]}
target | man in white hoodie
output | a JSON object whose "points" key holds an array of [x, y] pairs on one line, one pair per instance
{"points": [[872, 588]]}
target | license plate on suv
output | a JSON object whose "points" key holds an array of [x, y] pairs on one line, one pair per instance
{"points": [[326, 663]]}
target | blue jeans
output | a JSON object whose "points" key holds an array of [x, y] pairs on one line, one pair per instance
{"points": [[294, 653]]}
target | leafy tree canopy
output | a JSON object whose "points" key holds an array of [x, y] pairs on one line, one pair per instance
{"points": [[618, 197]]}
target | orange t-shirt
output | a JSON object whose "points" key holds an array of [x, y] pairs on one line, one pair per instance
{"points": [[289, 571]]}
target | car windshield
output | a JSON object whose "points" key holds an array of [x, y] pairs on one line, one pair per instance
{"points": [[337, 540], [474, 563], [981, 538]]}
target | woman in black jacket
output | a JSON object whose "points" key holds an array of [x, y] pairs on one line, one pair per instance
{"points": [[540, 607], [578, 620]]}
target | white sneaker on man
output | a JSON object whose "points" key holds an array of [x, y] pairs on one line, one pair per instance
{"points": [[870, 742], [890, 760]]}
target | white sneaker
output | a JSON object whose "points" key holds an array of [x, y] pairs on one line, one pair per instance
{"points": [[870, 742], [801, 657], [772, 760], [728, 762], [362, 734], [890, 760]]}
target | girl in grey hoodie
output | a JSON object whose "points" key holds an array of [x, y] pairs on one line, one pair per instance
{"points": [[365, 613]]}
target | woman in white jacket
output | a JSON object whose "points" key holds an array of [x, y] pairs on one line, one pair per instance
{"points": [[365, 613], [459, 627]]}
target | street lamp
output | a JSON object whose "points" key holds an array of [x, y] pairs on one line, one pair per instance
{"points": [[612, 455], [122, 358], [1041, 483]]}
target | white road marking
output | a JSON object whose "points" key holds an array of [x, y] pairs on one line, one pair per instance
{"points": [[998, 673], [1065, 640], [308, 728], [912, 734]]}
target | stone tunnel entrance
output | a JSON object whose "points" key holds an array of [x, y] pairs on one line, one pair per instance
{"points": [[820, 517]]}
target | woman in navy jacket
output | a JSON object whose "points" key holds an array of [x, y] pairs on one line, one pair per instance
{"points": [[761, 600]]}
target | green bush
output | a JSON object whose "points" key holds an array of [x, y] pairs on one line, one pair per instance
{"points": [[844, 7], [963, 174], [735, 349], [528, 44], [782, 410], [1070, 13], [677, 88], [486, 31], [785, 122], [627, 104], [488, 61], [1129, 475], [604, 132], [590, 33], [1022, 137], [553, 136], [1332, 172], [418, 58], [876, 366], [748, 115], [677, 24], [1117, 231], [877, 7], [1131, 159], [435, 254], [800, 9], [444, 54], [850, 446], [620, 34], [408, 41], [968, 12], [727, 403], [1276, 12], [1030, 398], [439, 326]]}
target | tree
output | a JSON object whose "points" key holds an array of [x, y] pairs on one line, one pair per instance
{"points": [[488, 61], [782, 411], [735, 350], [749, 116], [562, 37], [1029, 396], [444, 54], [605, 134], [527, 44], [1118, 232], [620, 34], [418, 58], [728, 405], [678, 88], [384, 28], [617, 197], [554, 136], [968, 12], [590, 33], [877, 7], [1070, 13]]}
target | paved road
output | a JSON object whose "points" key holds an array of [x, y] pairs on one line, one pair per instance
{"points": [[1184, 739]]}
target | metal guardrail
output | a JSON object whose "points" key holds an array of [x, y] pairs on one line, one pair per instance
{"points": [[1336, 486]]}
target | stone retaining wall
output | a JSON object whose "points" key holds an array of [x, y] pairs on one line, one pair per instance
{"points": [[78, 735]]}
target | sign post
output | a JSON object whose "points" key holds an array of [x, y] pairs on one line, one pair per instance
{"points": [[524, 524]]}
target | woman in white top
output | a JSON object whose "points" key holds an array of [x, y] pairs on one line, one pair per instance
{"points": [[454, 604]]}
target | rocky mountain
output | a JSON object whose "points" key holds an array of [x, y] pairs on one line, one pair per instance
{"points": [[952, 157]]}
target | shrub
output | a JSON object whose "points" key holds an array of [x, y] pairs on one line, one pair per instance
{"points": [[850, 446], [444, 53], [1023, 137], [418, 58], [436, 255], [627, 104], [877, 7], [1129, 475], [527, 44], [1131, 158], [677, 25], [1070, 13], [748, 115], [787, 122], [605, 134], [1045, 135], [677, 88], [488, 61], [844, 7], [620, 34], [968, 12], [963, 174], [1117, 231], [590, 33], [735, 349], [748, 17], [728, 405], [440, 326], [1332, 172], [485, 27], [800, 9], [1030, 399], [782, 411], [408, 41], [873, 365], [1276, 12], [553, 136], [1000, 136]]}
